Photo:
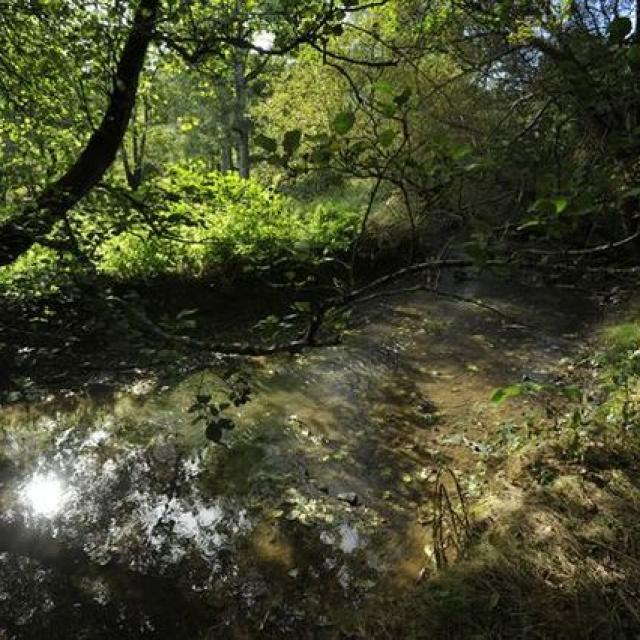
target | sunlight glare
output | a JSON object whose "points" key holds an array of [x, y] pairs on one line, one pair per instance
{"points": [[45, 494]]}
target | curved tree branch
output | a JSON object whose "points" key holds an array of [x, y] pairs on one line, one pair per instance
{"points": [[40, 216]]}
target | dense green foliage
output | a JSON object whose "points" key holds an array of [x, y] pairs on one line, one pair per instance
{"points": [[506, 122], [203, 220], [188, 181]]}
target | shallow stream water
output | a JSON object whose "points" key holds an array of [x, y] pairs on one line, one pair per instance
{"points": [[120, 519]]}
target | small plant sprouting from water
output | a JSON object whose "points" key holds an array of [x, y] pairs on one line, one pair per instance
{"points": [[213, 411]]}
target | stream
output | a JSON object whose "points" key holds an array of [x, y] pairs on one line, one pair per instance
{"points": [[119, 518]]}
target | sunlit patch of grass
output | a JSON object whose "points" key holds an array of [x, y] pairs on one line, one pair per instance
{"points": [[621, 338]]}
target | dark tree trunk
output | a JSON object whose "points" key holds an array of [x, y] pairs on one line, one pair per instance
{"points": [[57, 199]]}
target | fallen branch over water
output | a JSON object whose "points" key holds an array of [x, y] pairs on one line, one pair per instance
{"points": [[309, 338]]}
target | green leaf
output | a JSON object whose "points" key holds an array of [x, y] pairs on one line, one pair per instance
{"points": [[387, 137], [550, 206], [561, 204], [503, 393], [389, 109], [266, 143], [359, 147], [461, 151], [382, 86], [291, 141], [217, 426], [343, 122], [542, 205], [619, 29]]}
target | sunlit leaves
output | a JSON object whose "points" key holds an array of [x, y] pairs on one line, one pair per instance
{"points": [[530, 387], [203, 221]]}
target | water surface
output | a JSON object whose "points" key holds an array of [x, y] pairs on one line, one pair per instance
{"points": [[120, 519]]}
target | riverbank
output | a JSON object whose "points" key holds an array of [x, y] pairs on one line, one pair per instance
{"points": [[317, 511]]}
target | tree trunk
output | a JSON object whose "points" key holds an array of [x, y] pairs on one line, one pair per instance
{"points": [[133, 159], [57, 199], [226, 157], [241, 124]]}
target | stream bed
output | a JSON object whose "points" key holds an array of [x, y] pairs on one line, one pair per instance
{"points": [[119, 518]]}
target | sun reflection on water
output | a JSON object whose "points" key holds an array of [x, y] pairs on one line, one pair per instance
{"points": [[46, 494]]}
